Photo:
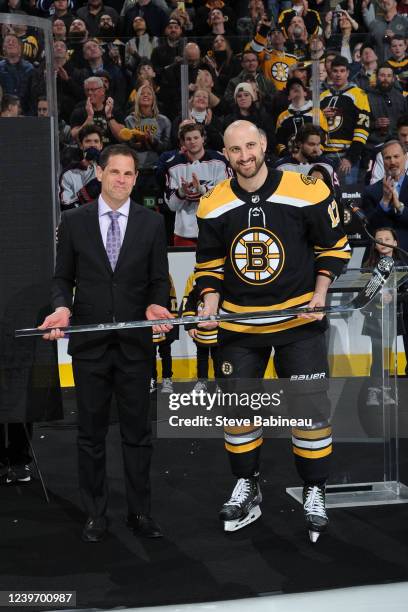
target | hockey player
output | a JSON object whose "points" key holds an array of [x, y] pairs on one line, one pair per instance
{"points": [[204, 339], [268, 240]]}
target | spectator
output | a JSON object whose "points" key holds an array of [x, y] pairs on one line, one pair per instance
{"points": [[245, 108], [140, 45], [107, 29], [223, 62], [57, 9], [402, 135], [250, 70], [202, 14], [10, 106], [341, 41], [30, 42], [78, 183], [170, 84], [42, 107], [156, 19], [248, 26], [97, 109], [77, 36], [384, 27], [169, 50], [146, 130], [307, 152], [367, 76], [96, 63], [200, 112], [92, 12], [274, 60], [387, 104], [386, 202], [398, 59], [16, 73], [311, 19], [190, 175], [297, 43], [59, 30], [299, 113], [347, 111]]}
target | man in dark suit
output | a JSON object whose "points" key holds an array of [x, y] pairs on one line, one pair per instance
{"points": [[114, 253], [386, 201]]}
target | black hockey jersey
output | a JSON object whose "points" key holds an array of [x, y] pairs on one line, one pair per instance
{"points": [[263, 250], [189, 307]]}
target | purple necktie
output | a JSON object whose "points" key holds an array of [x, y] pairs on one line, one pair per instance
{"points": [[113, 242]]}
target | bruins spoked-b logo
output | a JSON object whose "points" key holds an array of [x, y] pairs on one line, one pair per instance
{"points": [[257, 255], [226, 368]]}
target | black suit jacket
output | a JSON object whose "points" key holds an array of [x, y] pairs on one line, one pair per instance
{"points": [[377, 217], [140, 278]]}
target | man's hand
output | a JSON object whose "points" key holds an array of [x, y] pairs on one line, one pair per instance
{"points": [[109, 107], [153, 312], [318, 299], [211, 302], [388, 190], [62, 73], [192, 333], [345, 166], [59, 318], [89, 109]]}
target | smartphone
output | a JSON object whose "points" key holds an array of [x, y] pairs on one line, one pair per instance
{"points": [[181, 6]]}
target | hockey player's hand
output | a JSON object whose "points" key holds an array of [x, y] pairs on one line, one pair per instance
{"points": [[211, 302], [318, 299], [192, 333], [153, 312]]}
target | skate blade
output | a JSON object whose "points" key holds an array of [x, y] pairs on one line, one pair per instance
{"points": [[252, 516], [314, 536]]}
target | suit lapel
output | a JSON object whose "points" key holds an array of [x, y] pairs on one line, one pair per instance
{"points": [[95, 236], [132, 231]]}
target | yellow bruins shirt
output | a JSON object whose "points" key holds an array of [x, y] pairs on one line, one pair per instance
{"points": [[263, 250], [348, 130], [189, 307], [292, 120], [398, 66], [274, 64]]}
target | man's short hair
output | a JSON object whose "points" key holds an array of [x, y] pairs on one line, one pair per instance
{"points": [[390, 143], [117, 149], [340, 60], [309, 130], [88, 129], [402, 122], [9, 100], [384, 65], [93, 80], [191, 127]]}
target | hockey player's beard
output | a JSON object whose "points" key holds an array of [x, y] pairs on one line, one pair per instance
{"points": [[250, 171]]}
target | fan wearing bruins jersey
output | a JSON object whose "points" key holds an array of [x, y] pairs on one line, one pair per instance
{"points": [[205, 340], [274, 61], [270, 240], [347, 110]]}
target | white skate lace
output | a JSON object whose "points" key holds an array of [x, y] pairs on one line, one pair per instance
{"points": [[240, 492], [314, 502]]}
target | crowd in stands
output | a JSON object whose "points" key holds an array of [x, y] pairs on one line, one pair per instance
{"points": [[119, 78]]}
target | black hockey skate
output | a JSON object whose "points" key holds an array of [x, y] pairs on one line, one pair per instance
{"points": [[314, 509], [242, 508]]}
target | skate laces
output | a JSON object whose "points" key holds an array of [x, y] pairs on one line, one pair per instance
{"points": [[314, 502], [240, 492]]}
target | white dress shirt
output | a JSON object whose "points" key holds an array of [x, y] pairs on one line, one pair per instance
{"points": [[105, 220]]}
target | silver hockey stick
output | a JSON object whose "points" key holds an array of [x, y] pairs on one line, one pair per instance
{"points": [[379, 276]]}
